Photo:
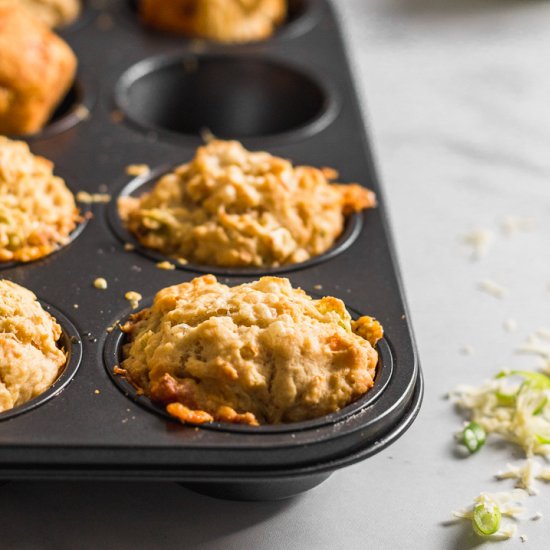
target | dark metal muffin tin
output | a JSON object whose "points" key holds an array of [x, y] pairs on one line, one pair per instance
{"points": [[150, 96]]}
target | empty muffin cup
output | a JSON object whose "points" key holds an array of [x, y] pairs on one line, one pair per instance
{"points": [[71, 345], [142, 184], [226, 96]]}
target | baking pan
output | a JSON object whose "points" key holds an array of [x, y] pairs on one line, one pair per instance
{"points": [[143, 97]]}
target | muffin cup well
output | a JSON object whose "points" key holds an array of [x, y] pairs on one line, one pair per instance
{"points": [[71, 344], [142, 184], [113, 357], [229, 96]]}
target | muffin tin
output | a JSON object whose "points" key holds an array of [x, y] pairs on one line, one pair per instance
{"points": [[143, 97]]}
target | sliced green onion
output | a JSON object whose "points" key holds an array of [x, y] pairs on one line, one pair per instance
{"points": [[506, 399], [541, 406], [536, 379], [486, 519], [473, 437], [542, 439]]}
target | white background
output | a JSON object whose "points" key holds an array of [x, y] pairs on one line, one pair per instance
{"points": [[457, 103]]}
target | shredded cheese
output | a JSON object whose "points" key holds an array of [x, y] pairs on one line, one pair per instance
{"points": [[479, 240], [515, 405], [492, 288]]}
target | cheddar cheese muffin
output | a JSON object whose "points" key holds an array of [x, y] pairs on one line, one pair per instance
{"points": [[234, 208], [54, 13], [37, 211], [258, 353], [30, 359], [221, 20], [37, 69]]}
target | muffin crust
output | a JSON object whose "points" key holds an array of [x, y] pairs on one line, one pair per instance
{"points": [[260, 352]]}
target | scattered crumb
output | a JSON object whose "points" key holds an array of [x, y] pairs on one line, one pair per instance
{"points": [[510, 325], [480, 241], [85, 197], [197, 45], [403, 317], [137, 169], [467, 350], [514, 224], [82, 112], [134, 298], [524, 475], [206, 135], [129, 247], [97, 392], [492, 288], [104, 22], [76, 306], [166, 265], [537, 516], [182, 261], [117, 116], [523, 538], [100, 283], [112, 327], [136, 268], [318, 287]]}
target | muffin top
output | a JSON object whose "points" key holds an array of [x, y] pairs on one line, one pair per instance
{"points": [[234, 208], [261, 352], [30, 360], [37, 211], [221, 20], [54, 13]]}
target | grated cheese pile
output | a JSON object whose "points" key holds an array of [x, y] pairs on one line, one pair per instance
{"points": [[514, 405]]}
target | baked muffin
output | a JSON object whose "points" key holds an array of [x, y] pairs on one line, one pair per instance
{"points": [[37, 211], [221, 20], [37, 69], [261, 352], [30, 359], [230, 207], [54, 13]]}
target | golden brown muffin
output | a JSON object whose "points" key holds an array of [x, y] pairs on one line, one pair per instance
{"points": [[54, 13], [261, 352], [30, 360], [231, 207], [37, 211], [37, 69], [221, 20]]}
